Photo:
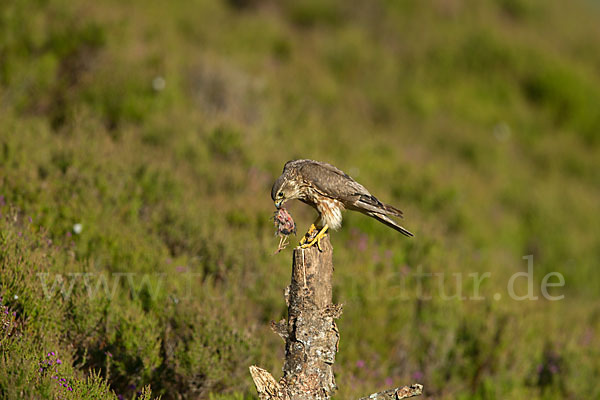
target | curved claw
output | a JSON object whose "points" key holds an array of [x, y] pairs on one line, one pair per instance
{"points": [[308, 234], [316, 240]]}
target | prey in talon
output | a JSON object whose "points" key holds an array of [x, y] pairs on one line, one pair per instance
{"points": [[285, 226]]}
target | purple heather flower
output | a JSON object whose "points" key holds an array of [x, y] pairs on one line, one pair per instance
{"points": [[389, 381], [108, 353], [2, 202], [58, 361], [362, 242], [539, 368], [417, 375], [587, 338], [360, 363]]}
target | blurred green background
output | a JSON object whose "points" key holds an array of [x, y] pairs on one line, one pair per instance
{"points": [[159, 127]]}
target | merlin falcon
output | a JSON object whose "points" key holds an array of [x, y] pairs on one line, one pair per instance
{"points": [[330, 191]]}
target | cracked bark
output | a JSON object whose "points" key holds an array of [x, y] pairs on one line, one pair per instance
{"points": [[310, 334]]}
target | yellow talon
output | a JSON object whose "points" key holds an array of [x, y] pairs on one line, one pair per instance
{"points": [[316, 240], [308, 234]]}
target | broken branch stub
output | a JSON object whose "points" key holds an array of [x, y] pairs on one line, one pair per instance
{"points": [[310, 334], [403, 392]]}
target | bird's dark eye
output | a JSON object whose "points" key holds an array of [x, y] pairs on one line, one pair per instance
{"points": [[280, 194]]}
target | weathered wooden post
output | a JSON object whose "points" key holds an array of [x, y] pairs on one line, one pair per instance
{"points": [[311, 335]]}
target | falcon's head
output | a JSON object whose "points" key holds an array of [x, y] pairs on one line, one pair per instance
{"points": [[285, 188]]}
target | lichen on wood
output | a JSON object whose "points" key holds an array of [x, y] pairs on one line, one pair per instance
{"points": [[403, 392]]}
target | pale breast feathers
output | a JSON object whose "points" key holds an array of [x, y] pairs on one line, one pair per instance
{"points": [[331, 212]]}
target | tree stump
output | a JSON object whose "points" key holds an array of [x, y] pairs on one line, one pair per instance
{"points": [[311, 335]]}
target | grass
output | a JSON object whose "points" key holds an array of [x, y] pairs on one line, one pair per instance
{"points": [[161, 127]]}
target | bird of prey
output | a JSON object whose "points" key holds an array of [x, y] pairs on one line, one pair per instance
{"points": [[330, 191]]}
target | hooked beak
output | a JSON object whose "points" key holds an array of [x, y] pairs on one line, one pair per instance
{"points": [[278, 203]]}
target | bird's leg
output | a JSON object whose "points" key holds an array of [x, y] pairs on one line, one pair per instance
{"points": [[282, 244], [317, 239], [309, 233]]}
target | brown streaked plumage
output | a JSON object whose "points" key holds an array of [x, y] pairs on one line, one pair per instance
{"points": [[330, 191]]}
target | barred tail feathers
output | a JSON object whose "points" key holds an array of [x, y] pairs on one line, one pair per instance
{"points": [[391, 223], [392, 210]]}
